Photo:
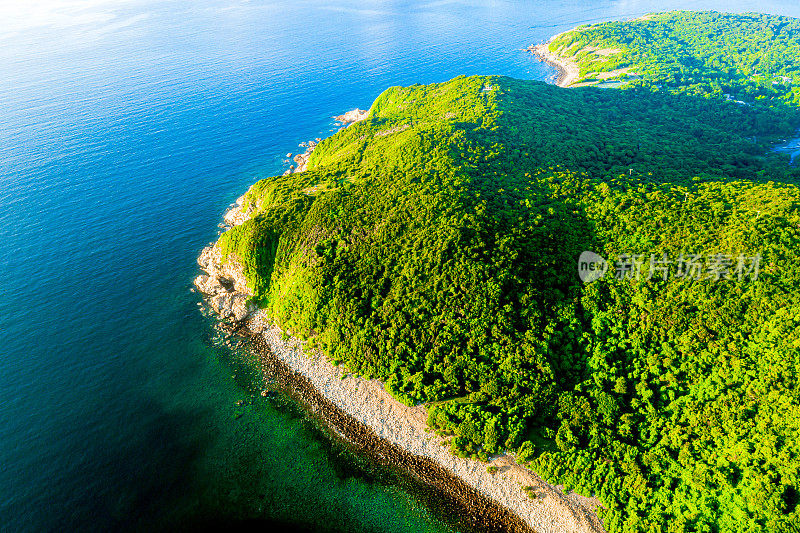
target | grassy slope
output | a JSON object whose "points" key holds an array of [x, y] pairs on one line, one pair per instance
{"points": [[434, 246]]}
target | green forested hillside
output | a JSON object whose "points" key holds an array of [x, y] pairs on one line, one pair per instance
{"points": [[754, 57], [435, 246]]}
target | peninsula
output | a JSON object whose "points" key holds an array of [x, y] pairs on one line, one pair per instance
{"points": [[428, 254]]}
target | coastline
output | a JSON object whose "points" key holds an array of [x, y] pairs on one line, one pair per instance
{"points": [[448, 493], [363, 413], [568, 71]]}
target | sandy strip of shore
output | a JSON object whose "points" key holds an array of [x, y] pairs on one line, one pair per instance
{"points": [[568, 71], [367, 402]]}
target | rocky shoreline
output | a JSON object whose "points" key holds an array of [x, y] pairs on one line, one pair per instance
{"points": [[365, 414], [451, 495], [301, 160]]}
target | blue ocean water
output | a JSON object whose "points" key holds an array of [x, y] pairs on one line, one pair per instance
{"points": [[126, 129]]}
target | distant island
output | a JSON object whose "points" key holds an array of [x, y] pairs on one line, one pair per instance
{"points": [[434, 244]]}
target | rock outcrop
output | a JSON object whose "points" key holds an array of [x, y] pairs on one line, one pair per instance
{"points": [[239, 214], [354, 115], [224, 285], [302, 159]]}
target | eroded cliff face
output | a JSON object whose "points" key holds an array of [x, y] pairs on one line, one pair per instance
{"points": [[224, 284]]}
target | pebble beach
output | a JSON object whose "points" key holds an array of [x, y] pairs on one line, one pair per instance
{"points": [[362, 411]]}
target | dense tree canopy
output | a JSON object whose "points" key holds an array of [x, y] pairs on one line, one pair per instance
{"points": [[753, 58], [435, 246]]}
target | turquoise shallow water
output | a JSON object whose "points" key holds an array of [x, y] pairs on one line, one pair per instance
{"points": [[126, 129]]}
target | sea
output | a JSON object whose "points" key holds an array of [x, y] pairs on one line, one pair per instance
{"points": [[127, 128]]}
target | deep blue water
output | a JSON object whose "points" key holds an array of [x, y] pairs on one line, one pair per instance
{"points": [[126, 129]]}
